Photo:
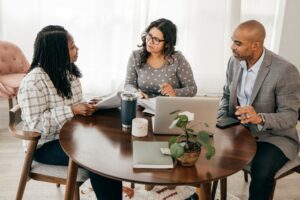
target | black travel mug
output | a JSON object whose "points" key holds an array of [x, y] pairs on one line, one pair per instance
{"points": [[128, 108]]}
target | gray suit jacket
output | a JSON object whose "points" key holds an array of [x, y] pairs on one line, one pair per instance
{"points": [[276, 94]]}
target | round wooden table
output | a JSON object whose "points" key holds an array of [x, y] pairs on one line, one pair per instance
{"points": [[99, 144]]}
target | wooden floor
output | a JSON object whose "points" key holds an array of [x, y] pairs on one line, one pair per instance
{"points": [[11, 158]]}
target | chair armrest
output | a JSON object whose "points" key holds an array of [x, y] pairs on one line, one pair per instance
{"points": [[25, 135], [297, 169], [14, 120]]}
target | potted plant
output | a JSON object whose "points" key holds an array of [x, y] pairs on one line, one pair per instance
{"points": [[186, 147]]}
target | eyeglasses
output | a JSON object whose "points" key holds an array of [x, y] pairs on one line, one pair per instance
{"points": [[155, 40]]}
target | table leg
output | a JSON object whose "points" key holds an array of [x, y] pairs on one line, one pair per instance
{"points": [[198, 191], [214, 189], [223, 188], [71, 179], [205, 193]]}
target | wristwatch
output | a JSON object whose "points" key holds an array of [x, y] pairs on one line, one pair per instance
{"points": [[263, 120]]}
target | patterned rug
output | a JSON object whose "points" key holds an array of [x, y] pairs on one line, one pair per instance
{"points": [[157, 193]]}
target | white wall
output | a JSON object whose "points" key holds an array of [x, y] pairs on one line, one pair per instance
{"points": [[290, 36]]}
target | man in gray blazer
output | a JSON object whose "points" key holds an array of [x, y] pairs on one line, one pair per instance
{"points": [[262, 90]]}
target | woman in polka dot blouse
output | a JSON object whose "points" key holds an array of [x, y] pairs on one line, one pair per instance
{"points": [[156, 68]]}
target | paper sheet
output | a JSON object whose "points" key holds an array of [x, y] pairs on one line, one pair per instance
{"points": [[148, 104], [111, 101]]}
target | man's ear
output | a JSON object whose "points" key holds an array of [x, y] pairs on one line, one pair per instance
{"points": [[255, 45]]}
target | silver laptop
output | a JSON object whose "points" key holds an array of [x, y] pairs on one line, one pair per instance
{"points": [[204, 108]]}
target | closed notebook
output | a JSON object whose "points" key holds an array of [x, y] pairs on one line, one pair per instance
{"points": [[148, 155]]}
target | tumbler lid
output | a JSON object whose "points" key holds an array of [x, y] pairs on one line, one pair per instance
{"points": [[128, 96]]}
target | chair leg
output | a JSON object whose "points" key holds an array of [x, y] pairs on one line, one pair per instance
{"points": [[205, 190], [214, 189], [10, 103], [245, 176], [273, 190], [198, 191], [132, 185], [223, 188], [77, 192], [21, 188], [25, 170]]}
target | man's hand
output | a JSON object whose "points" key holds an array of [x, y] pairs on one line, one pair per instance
{"points": [[85, 109], [248, 115], [167, 90]]}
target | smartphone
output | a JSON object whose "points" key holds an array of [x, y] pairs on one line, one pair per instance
{"points": [[227, 122]]}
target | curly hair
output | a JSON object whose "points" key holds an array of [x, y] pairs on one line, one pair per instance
{"points": [[51, 53], [169, 32]]}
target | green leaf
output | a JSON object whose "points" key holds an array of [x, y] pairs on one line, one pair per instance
{"points": [[210, 152], [172, 140], [177, 150], [182, 122], [183, 118], [182, 144], [204, 139]]}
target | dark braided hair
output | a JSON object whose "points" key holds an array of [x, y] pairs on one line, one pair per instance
{"points": [[50, 28], [51, 53], [36, 50], [169, 32]]}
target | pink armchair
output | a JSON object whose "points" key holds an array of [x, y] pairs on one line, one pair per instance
{"points": [[13, 67]]}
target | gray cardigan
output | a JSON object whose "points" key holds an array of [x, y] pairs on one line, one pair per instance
{"points": [[179, 74]]}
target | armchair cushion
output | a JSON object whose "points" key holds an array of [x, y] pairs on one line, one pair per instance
{"points": [[12, 62], [289, 166], [9, 84]]}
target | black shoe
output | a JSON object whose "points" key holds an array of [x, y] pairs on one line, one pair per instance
{"points": [[193, 197]]}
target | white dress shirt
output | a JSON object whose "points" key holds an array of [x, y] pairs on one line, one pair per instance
{"points": [[248, 80]]}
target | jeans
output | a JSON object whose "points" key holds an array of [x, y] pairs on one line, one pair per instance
{"points": [[105, 188], [267, 161]]}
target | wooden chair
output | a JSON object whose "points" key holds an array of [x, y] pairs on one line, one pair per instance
{"points": [[35, 170], [290, 167]]}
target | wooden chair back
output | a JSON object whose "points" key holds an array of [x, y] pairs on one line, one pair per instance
{"points": [[35, 170]]}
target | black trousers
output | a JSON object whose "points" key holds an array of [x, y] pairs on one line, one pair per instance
{"points": [[267, 161], [105, 188]]}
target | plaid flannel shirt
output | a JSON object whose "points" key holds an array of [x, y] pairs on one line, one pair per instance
{"points": [[43, 110]]}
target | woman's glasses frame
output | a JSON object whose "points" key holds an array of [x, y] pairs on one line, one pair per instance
{"points": [[154, 40]]}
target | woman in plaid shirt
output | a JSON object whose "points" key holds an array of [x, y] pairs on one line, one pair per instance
{"points": [[50, 94]]}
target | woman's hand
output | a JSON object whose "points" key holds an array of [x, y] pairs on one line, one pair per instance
{"points": [[85, 109], [144, 96], [167, 90], [94, 100]]}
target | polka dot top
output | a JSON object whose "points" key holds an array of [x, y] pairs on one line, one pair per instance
{"points": [[146, 78]]}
